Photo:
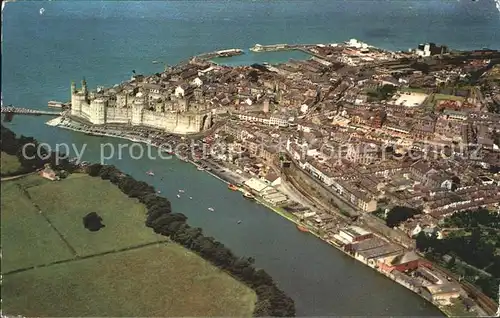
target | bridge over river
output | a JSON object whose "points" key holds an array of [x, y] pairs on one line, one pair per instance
{"points": [[28, 111]]}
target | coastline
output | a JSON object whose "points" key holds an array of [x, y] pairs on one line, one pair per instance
{"points": [[227, 180]]}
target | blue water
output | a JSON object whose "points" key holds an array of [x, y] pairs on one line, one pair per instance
{"points": [[105, 41]]}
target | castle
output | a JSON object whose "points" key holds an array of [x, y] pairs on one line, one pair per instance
{"points": [[147, 105]]}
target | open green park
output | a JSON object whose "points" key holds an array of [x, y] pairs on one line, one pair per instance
{"points": [[53, 266]]}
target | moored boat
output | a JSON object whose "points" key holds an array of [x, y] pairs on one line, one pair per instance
{"points": [[248, 196], [200, 168], [302, 228], [232, 187], [55, 104]]}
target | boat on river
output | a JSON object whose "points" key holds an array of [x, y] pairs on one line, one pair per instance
{"points": [[211, 209], [150, 173], [302, 228], [232, 187], [200, 168], [248, 195]]}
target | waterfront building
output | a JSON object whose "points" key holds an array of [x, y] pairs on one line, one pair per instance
{"points": [[353, 234], [442, 294]]}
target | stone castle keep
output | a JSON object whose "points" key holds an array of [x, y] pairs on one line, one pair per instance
{"points": [[147, 106]]}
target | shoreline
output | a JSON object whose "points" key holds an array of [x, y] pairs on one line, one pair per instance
{"points": [[258, 200]]}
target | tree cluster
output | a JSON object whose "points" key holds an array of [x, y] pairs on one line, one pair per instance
{"points": [[399, 214], [383, 93], [271, 300], [32, 159], [474, 240]]}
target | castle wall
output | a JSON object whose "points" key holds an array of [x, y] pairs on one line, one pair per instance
{"points": [[117, 115], [157, 120], [85, 111]]}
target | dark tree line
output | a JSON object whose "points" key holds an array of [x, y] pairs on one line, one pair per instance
{"points": [[271, 300], [31, 160]]}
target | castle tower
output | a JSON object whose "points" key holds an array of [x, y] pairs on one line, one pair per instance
{"points": [[77, 100], [84, 87], [72, 93], [183, 105], [98, 109], [137, 109]]}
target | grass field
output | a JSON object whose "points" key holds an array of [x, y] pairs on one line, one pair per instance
{"points": [[161, 279], [73, 198], [9, 163], [438, 97], [21, 222]]}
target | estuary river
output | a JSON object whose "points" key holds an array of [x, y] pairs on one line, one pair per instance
{"points": [[105, 41]]}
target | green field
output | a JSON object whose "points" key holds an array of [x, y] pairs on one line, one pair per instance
{"points": [[438, 97], [22, 222], [73, 198], [9, 163], [104, 273], [159, 281]]}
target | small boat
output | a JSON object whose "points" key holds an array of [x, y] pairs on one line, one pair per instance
{"points": [[158, 191], [178, 196], [190, 198], [302, 228], [239, 221], [248, 195], [155, 62], [200, 168], [150, 173], [42, 10], [181, 191], [232, 187], [211, 209]]}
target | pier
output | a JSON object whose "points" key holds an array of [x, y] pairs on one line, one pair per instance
{"points": [[28, 111]]}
